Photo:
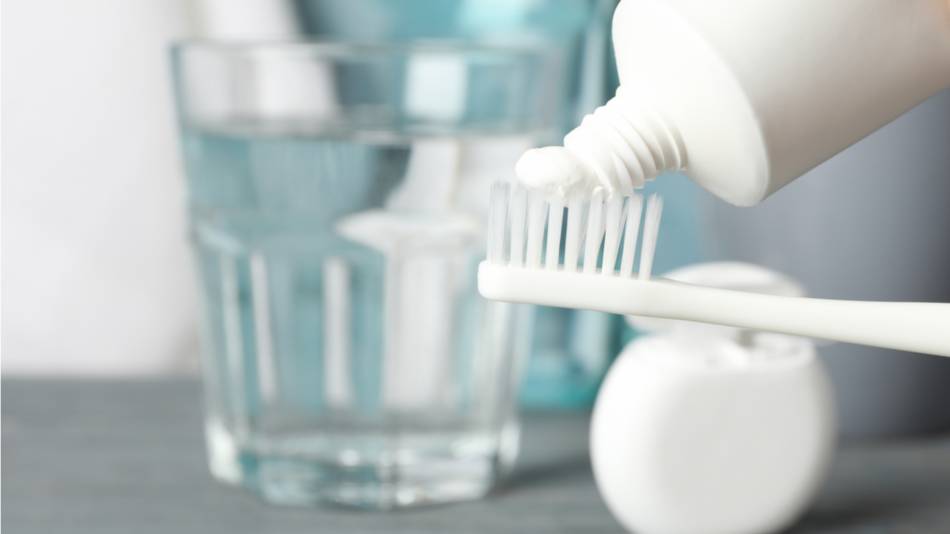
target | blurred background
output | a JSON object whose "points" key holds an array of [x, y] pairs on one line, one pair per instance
{"points": [[97, 276]]}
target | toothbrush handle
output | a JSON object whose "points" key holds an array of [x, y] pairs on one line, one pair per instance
{"points": [[913, 326]]}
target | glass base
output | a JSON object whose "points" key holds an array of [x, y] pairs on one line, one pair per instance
{"points": [[302, 473], [298, 482]]}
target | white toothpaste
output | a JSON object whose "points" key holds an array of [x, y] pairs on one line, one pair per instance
{"points": [[555, 171]]}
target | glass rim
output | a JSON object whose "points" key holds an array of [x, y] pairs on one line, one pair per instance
{"points": [[331, 48]]}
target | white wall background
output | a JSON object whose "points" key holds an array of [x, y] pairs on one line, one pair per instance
{"points": [[96, 276]]}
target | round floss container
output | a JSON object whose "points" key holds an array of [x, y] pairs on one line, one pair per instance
{"points": [[709, 429]]}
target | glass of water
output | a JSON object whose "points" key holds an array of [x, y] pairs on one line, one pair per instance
{"points": [[337, 196]]}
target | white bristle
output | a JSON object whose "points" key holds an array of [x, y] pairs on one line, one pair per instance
{"points": [[497, 215], [631, 229], [537, 209], [612, 227], [553, 246], [572, 241], [595, 231], [651, 228], [516, 217], [524, 230]]}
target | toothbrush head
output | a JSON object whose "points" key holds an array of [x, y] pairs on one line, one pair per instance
{"points": [[566, 254], [596, 235]]}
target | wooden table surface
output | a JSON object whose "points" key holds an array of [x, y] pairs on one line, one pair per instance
{"points": [[128, 457]]}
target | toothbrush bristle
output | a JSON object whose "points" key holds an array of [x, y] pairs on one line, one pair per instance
{"points": [[613, 212], [595, 231], [553, 246], [651, 228], [572, 239], [525, 230], [516, 217], [537, 209], [630, 232], [497, 222]]}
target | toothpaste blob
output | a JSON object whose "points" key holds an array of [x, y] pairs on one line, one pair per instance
{"points": [[555, 171]]}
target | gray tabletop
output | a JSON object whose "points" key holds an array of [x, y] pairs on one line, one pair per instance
{"points": [[128, 457]]}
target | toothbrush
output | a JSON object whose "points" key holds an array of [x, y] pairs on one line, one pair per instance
{"points": [[591, 267]]}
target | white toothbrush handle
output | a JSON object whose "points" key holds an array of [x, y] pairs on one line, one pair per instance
{"points": [[914, 326]]}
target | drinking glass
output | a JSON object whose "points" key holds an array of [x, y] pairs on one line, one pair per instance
{"points": [[337, 196], [570, 349]]}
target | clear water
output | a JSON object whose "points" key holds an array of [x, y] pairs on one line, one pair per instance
{"points": [[348, 356]]}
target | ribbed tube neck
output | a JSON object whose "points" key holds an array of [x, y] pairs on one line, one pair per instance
{"points": [[626, 142]]}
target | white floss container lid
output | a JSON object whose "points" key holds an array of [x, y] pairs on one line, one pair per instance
{"points": [[701, 429]]}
